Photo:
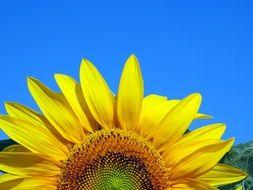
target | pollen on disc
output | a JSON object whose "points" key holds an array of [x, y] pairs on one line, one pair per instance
{"points": [[113, 160]]}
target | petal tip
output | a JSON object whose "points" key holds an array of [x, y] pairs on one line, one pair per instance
{"points": [[86, 66], [6, 104], [31, 80], [85, 62], [197, 95], [132, 60], [58, 75], [195, 98], [133, 56], [230, 142]]}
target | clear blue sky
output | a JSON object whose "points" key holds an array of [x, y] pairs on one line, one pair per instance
{"points": [[183, 47]]}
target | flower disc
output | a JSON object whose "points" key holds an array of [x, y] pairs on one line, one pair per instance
{"points": [[114, 160]]}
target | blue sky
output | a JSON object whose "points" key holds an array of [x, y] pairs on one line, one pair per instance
{"points": [[182, 46]]}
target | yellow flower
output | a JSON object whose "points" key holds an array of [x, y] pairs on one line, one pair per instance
{"points": [[88, 138]]}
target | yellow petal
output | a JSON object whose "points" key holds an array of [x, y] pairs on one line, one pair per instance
{"points": [[191, 184], [35, 138], [239, 187], [27, 114], [152, 115], [27, 164], [201, 161], [154, 109], [213, 131], [15, 148], [8, 177], [149, 102], [57, 111], [22, 112], [97, 94], [12, 182], [175, 123], [72, 92], [130, 94], [192, 141], [223, 174], [153, 99], [202, 116], [175, 154]]}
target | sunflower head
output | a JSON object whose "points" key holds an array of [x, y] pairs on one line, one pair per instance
{"points": [[85, 137]]}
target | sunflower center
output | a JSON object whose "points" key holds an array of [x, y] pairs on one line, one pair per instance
{"points": [[113, 160]]}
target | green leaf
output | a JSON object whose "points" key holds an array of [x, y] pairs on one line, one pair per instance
{"points": [[241, 156]]}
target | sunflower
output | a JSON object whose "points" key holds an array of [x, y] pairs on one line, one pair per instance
{"points": [[87, 138]]}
